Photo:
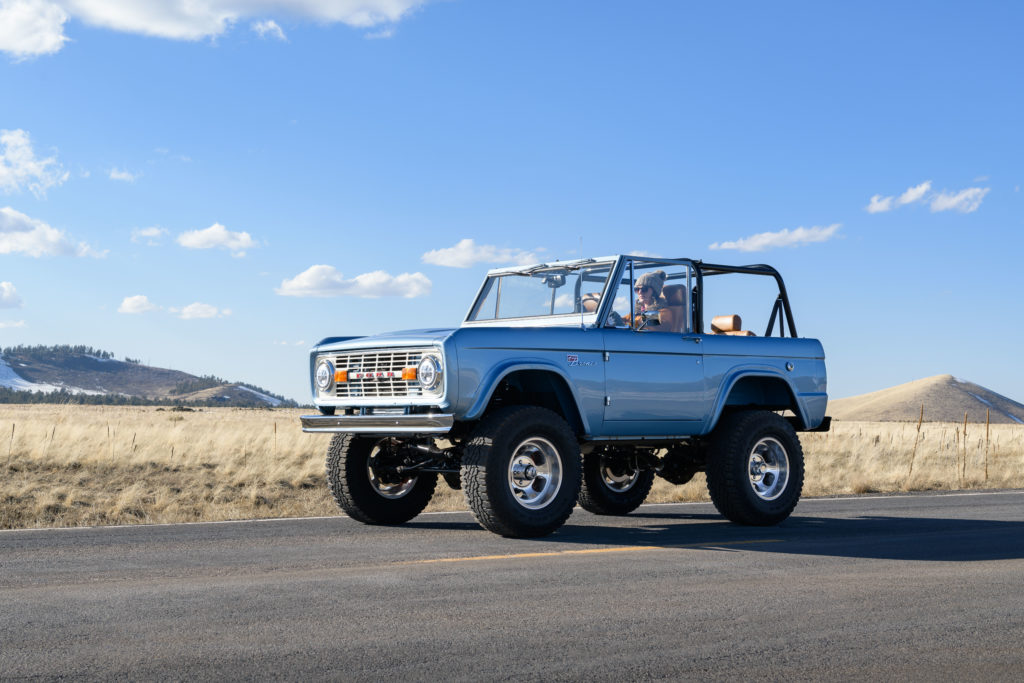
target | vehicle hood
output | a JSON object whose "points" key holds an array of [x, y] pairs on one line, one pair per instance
{"points": [[387, 339]]}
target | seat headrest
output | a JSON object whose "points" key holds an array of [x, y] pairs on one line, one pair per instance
{"points": [[675, 294], [726, 323], [590, 301]]}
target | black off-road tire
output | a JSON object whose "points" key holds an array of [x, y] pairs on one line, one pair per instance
{"points": [[610, 490], [501, 446], [740, 444], [349, 480]]}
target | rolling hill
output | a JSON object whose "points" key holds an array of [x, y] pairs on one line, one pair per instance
{"points": [[81, 374], [944, 397]]}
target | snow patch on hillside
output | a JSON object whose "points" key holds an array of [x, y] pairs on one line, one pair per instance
{"points": [[269, 399], [12, 380]]}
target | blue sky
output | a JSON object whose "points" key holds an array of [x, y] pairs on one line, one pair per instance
{"points": [[214, 186]]}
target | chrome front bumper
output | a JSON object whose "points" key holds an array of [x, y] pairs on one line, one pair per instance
{"points": [[379, 424]]}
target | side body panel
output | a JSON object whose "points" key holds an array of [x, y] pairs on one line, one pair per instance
{"points": [[799, 363], [655, 384]]}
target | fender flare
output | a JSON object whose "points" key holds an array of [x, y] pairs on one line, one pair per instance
{"points": [[498, 373], [758, 371]]}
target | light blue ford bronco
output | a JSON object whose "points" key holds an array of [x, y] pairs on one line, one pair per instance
{"points": [[578, 381]]}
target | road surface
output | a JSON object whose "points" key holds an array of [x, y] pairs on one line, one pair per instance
{"points": [[870, 587]]}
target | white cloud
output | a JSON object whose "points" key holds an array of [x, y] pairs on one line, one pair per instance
{"points": [[199, 311], [388, 32], [29, 28], [151, 236], [136, 304], [34, 27], [22, 234], [9, 296], [783, 238], [5, 324], [915, 194], [124, 176], [467, 253], [324, 281], [217, 236], [880, 204], [19, 167], [269, 28], [964, 201]]}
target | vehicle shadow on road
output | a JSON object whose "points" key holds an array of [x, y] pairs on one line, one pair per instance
{"points": [[877, 537]]}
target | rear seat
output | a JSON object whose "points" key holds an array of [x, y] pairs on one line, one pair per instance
{"points": [[730, 325]]}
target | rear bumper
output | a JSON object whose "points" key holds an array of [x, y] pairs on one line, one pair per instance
{"points": [[379, 424]]}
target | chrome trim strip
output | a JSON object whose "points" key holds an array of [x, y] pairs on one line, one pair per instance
{"points": [[438, 423]]}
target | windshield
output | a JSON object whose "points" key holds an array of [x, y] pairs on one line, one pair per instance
{"points": [[542, 292]]}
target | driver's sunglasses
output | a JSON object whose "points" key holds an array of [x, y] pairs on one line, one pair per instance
{"points": [[640, 290]]}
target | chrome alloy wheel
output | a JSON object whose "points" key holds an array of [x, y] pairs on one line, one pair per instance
{"points": [[768, 466], [619, 477], [535, 473], [388, 484]]}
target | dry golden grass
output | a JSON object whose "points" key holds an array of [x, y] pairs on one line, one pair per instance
{"points": [[88, 465]]}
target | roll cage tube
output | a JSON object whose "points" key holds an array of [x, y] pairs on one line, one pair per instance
{"points": [[781, 308]]}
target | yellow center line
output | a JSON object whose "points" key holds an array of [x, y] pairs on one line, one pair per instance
{"points": [[593, 551]]}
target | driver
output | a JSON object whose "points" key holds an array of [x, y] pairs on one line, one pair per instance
{"points": [[648, 291]]}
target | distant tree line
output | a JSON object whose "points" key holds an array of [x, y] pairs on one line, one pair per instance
{"points": [[51, 353]]}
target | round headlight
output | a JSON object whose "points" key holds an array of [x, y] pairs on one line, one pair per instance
{"points": [[324, 375], [429, 372]]}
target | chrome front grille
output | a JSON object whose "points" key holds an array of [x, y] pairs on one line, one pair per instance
{"points": [[378, 374]]}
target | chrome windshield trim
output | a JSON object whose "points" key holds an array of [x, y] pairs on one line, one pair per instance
{"points": [[438, 423]]}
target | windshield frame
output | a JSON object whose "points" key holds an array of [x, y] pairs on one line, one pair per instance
{"points": [[580, 318]]}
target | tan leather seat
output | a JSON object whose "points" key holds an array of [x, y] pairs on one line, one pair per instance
{"points": [[673, 316], [730, 325], [590, 301]]}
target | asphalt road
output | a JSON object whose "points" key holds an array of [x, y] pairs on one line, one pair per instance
{"points": [[877, 587]]}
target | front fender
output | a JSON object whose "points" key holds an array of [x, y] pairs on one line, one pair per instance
{"points": [[490, 381]]}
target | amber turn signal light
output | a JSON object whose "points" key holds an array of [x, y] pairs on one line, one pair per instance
{"points": [[409, 374], [340, 376]]}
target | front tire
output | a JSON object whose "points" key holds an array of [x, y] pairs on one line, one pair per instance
{"points": [[614, 483], [521, 472], [363, 478], [755, 472]]}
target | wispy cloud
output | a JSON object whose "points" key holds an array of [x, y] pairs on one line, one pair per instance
{"points": [[21, 234], [123, 176], [964, 201], [30, 28], [468, 253], [783, 238], [217, 236], [200, 311], [136, 304], [6, 324], [149, 236], [19, 167], [269, 29], [9, 296], [326, 281]]}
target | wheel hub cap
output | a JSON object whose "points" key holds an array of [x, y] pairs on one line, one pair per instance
{"points": [[768, 467], [535, 473]]}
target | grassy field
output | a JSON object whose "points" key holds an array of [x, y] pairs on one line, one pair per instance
{"points": [[89, 465]]}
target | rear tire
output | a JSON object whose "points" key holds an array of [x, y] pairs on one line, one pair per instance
{"points": [[521, 472], [755, 469], [363, 480], [613, 483]]}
